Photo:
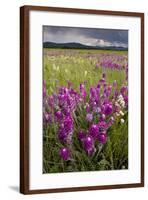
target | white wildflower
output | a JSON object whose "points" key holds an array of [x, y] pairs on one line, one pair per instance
{"points": [[117, 114], [120, 96], [122, 121], [121, 113], [85, 73], [57, 68], [112, 118], [117, 104], [121, 101], [103, 116]]}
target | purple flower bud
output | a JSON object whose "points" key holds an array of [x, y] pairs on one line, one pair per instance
{"points": [[104, 85], [92, 92], [109, 88], [107, 108], [62, 133], [104, 75], [94, 104], [102, 138], [98, 86], [83, 91], [124, 90], [116, 93], [102, 80], [83, 94], [81, 135], [59, 115], [65, 90], [88, 143], [94, 130], [47, 117], [66, 111], [82, 86], [62, 98], [102, 127], [51, 101], [68, 123], [87, 108], [89, 117], [126, 100], [65, 153]]}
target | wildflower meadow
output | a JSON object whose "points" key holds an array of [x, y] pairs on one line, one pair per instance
{"points": [[85, 110]]}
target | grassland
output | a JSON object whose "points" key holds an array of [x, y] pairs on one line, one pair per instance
{"points": [[77, 66]]}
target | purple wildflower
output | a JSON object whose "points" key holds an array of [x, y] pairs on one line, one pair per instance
{"points": [[83, 91], [58, 115], [68, 123], [102, 127], [88, 143], [81, 135], [51, 101], [104, 75], [124, 90], [126, 100], [47, 117], [93, 93], [102, 138], [62, 133], [102, 81], [65, 153], [107, 108], [93, 130], [87, 108], [89, 117]]}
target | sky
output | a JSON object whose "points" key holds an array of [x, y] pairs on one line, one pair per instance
{"points": [[86, 36]]}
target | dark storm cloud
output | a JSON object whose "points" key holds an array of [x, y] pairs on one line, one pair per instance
{"points": [[88, 36]]}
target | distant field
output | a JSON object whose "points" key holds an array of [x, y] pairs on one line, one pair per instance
{"points": [[76, 66]]}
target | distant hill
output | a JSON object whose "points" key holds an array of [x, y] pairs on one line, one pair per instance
{"points": [[74, 45]]}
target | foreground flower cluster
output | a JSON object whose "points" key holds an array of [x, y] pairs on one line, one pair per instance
{"points": [[68, 110]]}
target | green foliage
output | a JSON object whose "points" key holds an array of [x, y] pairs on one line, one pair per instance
{"points": [[76, 69]]}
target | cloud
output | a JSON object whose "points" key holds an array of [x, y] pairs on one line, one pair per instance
{"points": [[87, 36], [101, 42]]}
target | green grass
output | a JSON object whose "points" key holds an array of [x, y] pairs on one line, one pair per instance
{"points": [[77, 69]]}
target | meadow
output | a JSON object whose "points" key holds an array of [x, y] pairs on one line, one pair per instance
{"points": [[85, 110]]}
